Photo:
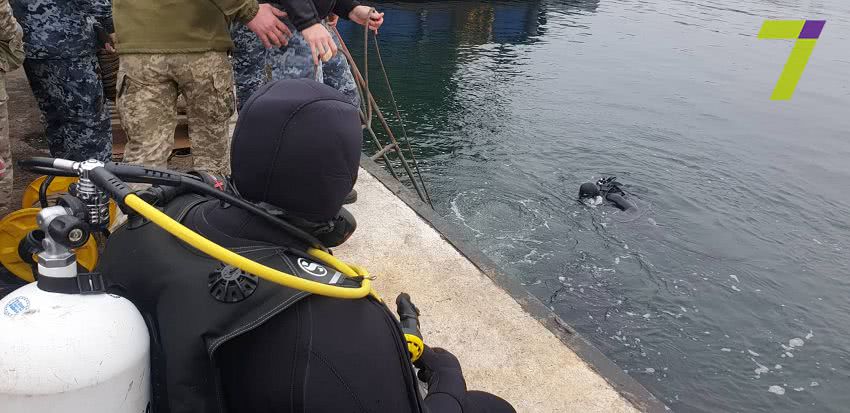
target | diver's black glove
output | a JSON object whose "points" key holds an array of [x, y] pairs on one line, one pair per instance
{"points": [[447, 388], [441, 371]]}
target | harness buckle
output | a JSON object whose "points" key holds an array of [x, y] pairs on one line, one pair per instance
{"points": [[91, 283]]}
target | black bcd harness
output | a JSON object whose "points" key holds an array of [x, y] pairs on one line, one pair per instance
{"points": [[187, 299]]}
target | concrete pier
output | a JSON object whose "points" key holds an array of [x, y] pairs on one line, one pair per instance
{"points": [[508, 342], [504, 347]]}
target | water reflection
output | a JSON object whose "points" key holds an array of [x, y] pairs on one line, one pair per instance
{"points": [[743, 247], [471, 23], [463, 47]]}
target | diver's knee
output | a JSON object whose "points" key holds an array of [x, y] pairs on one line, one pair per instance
{"points": [[483, 402]]}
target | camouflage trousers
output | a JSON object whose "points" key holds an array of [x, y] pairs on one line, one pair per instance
{"points": [[70, 95], [6, 175], [147, 102], [254, 65]]}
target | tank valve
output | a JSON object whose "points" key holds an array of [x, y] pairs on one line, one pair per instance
{"points": [[68, 231]]}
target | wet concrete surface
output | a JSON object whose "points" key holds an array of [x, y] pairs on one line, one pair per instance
{"points": [[503, 349]]}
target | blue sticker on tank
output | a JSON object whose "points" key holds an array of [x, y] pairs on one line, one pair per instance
{"points": [[16, 306]]}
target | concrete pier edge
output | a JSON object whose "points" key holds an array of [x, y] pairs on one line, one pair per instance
{"points": [[624, 384]]}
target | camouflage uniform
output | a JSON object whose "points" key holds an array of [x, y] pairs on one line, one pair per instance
{"points": [[11, 54], [147, 102], [62, 68], [254, 65]]}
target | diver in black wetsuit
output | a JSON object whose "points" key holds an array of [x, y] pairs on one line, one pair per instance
{"points": [[269, 348], [609, 189]]}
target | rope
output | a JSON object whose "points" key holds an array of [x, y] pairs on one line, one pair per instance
{"points": [[366, 66], [400, 121], [364, 102], [370, 109]]}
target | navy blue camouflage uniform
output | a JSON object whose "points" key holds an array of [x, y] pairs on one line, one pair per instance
{"points": [[254, 65], [62, 67]]}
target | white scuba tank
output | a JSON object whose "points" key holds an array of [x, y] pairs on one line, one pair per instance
{"points": [[72, 353]]}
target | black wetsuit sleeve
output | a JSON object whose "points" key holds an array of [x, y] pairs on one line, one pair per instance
{"points": [[442, 403], [619, 201]]}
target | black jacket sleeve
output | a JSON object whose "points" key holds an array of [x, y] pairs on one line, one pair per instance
{"points": [[305, 13], [302, 13], [343, 7]]}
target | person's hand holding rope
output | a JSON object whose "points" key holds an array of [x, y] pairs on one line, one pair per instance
{"points": [[320, 41], [332, 20], [367, 16]]}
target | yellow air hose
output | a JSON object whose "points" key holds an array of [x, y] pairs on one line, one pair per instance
{"points": [[252, 267]]}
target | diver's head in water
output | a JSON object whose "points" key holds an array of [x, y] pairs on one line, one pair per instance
{"points": [[588, 190], [297, 148]]}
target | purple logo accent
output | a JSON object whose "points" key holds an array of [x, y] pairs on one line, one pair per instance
{"points": [[812, 29]]}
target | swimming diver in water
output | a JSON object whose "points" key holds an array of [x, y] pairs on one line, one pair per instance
{"points": [[607, 188]]}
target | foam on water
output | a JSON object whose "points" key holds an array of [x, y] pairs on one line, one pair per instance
{"points": [[776, 390], [760, 368]]}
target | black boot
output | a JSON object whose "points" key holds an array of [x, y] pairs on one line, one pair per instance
{"points": [[350, 198]]}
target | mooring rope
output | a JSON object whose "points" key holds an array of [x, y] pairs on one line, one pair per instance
{"points": [[372, 109], [401, 121]]}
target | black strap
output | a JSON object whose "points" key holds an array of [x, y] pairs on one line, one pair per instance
{"points": [[83, 283]]}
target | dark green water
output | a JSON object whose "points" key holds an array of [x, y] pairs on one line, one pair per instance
{"points": [[739, 254]]}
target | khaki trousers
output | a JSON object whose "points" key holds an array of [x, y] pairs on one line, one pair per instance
{"points": [[147, 103]]}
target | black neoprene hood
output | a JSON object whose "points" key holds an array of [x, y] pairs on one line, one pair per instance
{"points": [[297, 146], [588, 190]]}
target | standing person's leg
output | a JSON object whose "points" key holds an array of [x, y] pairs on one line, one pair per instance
{"points": [[6, 169], [295, 61], [147, 103], [337, 74], [39, 74], [70, 95], [206, 81], [249, 62], [87, 125]]}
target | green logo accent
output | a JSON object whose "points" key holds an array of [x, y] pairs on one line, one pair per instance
{"points": [[806, 33]]}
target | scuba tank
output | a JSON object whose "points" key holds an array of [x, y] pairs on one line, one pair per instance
{"points": [[72, 353], [65, 344]]}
